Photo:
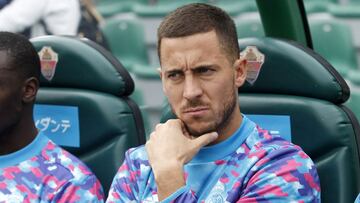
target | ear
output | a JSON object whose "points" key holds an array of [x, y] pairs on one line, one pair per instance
{"points": [[162, 79], [30, 88], [240, 71], [159, 71]]}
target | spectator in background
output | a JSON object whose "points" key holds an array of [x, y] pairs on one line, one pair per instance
{"points": [[32, 167], [90, 22], [39, 17]]}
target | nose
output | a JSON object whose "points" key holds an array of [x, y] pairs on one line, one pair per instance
{"points": [[192, 88]]}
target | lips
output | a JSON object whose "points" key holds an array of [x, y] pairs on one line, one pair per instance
{"points": [[189, 110], [196, 111]]}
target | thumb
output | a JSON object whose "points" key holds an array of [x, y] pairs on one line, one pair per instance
{"points": [[205, 139]]}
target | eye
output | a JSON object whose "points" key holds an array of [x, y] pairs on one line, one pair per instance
{"points": [[204, 71], [175, 75]]}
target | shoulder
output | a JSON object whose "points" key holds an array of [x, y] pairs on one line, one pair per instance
{"points": [[262, 143], [132, 176], [275, 156], [136, 159], [137, 153], [278, 163], [135, 167], [61, 160], [68, 172]]}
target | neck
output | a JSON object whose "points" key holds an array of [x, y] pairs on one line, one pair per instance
{"points": [[230, 126], [19, 135]]}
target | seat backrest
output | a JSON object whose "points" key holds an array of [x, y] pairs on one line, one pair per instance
{"points": [[81, 75], [333, 40], [354, 100], [126, 38], [296, 82], [249, 28], [236, 7]]}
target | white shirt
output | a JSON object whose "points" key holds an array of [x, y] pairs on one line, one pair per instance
{"points": [[60, 16]]}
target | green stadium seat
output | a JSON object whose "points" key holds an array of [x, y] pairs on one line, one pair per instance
{"points": [[126, 41], [138, 97], [333, 40], [354, 101], [89, 78], [297, 82], [350, 10], [146, 72], [317, 6], [160, 8], [108, 8], [354, 77], [236, 7], [249, 28]]}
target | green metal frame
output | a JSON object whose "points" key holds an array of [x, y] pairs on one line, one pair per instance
{"points": [[285, 19]]}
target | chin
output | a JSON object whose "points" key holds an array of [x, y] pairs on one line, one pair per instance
{"points": [[197, 130]]}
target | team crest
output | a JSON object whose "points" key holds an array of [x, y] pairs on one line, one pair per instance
{"points": [[254, 60], [217, 194], [48, 60]]}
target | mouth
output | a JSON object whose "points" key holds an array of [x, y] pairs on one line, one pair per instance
{"points": [[196, 111]]}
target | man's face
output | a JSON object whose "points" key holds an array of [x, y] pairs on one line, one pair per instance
{"points": [[199, 81], [10, 95]]}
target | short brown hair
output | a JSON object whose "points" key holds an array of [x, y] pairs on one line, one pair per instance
{"points": [[200, 18]]}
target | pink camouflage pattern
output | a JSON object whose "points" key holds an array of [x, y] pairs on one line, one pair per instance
{"points": [[254, 167], [51, 175]]}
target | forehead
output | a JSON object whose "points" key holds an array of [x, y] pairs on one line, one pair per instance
{"points": [[4, 60], [201, 47], [5, 68]]}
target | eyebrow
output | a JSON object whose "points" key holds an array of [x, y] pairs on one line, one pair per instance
{"points": [[173, 70], [205, 66]]}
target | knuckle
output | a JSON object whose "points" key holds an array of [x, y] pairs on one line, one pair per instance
{"points": [[157, 127], [148, 145], [173, 121], [152, 135]]}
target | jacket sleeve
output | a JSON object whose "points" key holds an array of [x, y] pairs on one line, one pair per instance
{"points": [[128, 184], [124, 187], [83, 190], [282, 175]]}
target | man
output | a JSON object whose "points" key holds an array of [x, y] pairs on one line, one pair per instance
{"points": [[33, 168], [211, 153], [40, 17]]}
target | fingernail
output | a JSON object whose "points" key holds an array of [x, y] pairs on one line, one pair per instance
{"points": [[215, 134]]}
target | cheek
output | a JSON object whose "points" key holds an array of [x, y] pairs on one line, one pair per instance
{"points": [[173, 93], [11, 106], [219, 96], [218, 91], [10, 110], [11, 101], [174, 101]]}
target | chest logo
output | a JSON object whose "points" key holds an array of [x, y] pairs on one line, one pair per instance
{"points": [[216, 194]]}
